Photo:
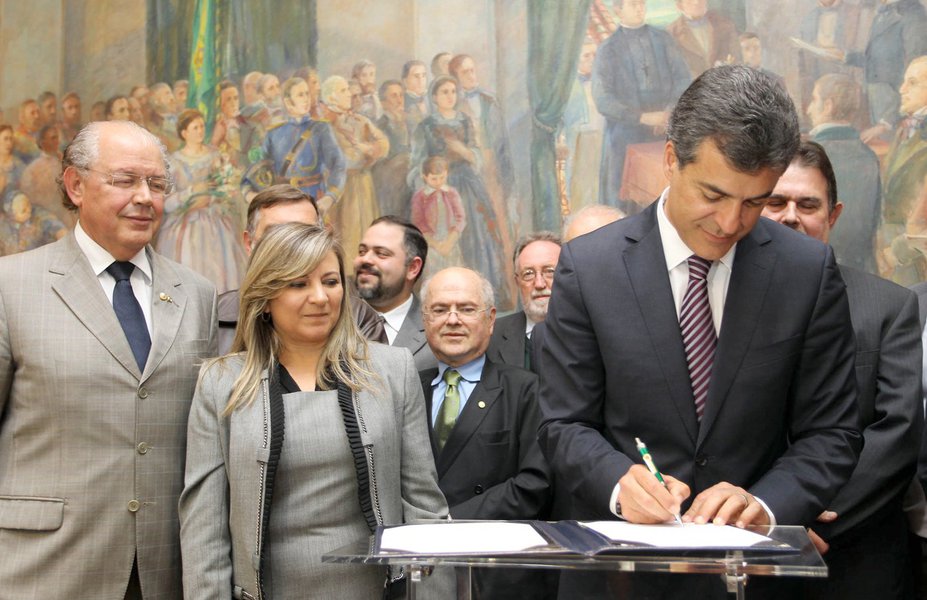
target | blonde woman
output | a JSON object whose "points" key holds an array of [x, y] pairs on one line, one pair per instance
{"points": [[303, 440]]}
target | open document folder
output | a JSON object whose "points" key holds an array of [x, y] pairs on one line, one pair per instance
{"points": [[572, 537]]}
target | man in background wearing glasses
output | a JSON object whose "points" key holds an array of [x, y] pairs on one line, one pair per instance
{"points": [[101, 340], [484, 420], [536, 257]]}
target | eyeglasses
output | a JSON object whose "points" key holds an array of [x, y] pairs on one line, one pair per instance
{"points": [[464, 313], [528, 275], [127, 181]]}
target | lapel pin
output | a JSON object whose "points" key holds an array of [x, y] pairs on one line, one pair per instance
{"points": [[165, 298], [481, 404]]}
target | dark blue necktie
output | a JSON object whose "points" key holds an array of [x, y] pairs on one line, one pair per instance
{"points": [[129, 312]]}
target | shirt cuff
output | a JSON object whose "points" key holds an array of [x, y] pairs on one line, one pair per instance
{"points": [[613, 501], [772, 517]]}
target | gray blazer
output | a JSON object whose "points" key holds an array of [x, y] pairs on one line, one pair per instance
{"points": [[223, 496], [92, 450], [412, 336]]}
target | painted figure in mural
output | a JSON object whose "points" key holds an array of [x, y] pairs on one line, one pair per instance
{"points": [[311, 75], [835, 102], [362, 144], [705, 38], [450, 133], [136, 115], [439, 213], [24, 226], [163, 117], [831, 24], [751, 49], [903, 233], [581, 134], [200, 217], [48, 108], [181, 90], [11, 166], [117, 108], [24, 142], [142, 94], [898, 35], [229, 127], [38, 179], [389, 174], [98, 111], [270, 92], [70, 122], [303, 151], [439, 64], [365, 73], [415, 81], [637, 77]]}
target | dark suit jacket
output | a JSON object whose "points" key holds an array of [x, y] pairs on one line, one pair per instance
{"points": [[507, 346], [921, 291], [491, 466], [888, 375], [856, 168], [780, 418]]}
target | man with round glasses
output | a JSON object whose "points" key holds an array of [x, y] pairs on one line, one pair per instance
{"points": [[101, 340], [536, 257]]}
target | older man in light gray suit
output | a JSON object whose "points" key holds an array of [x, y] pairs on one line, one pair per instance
{"points": [[94, 405]]}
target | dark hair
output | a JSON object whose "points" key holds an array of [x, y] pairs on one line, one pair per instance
{"points": [[843, 92], [434, 164], [281, 193], [456, 62], [187, 116], [436, 59], [812, 155], [408, 67], [745, 112], [226, 84], [386, 85], [412, 239], [45, 96], [112, 101], [441, 80]]}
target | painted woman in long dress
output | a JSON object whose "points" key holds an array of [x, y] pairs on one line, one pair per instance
{"points": [[449, 133], [199, 228]]}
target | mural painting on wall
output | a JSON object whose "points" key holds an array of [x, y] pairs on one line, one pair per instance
{"points": [[431, 143]]}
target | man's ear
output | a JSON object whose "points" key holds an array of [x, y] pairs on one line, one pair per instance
{"points": [[73, 185], [835, 214], [415, 267]]}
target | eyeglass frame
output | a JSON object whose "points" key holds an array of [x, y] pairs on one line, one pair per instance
{"points": [[546, 272], [136, 180], [431, 316]]}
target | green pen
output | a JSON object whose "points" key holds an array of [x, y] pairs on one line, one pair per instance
{"points": [[648, 460]]}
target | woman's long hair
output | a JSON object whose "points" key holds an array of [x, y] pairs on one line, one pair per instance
{"points": [[285, 253]]}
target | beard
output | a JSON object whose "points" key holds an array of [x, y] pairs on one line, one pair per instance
{"points": [[378, 291], [536, 308]]}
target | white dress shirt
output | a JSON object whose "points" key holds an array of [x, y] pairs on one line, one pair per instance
{"points": [[393, 320]]}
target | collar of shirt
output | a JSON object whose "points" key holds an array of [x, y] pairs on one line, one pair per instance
{"points": [[100, 258], [430, 190], [529, 325], [677, 253], [470, 374], [394, 319]]}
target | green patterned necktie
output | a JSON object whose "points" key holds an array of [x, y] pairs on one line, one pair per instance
{"points": [[447, 414]]}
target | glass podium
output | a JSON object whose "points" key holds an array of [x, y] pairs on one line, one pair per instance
{"points": [[733, 566]]}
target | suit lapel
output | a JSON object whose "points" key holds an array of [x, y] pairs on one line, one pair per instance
{"points": [[646, 267], [427, 376], [486, 393], [412, 333], [750, 279], [79, 288], [513, 341], [168, 300]]}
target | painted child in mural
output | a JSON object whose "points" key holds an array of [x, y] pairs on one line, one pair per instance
{"points": [[199, 228], [363, 144], [439, 213], [449, 133], [24, 226]]}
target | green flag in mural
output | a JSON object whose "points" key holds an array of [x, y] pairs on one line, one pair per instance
{"points": [[204, 63]]}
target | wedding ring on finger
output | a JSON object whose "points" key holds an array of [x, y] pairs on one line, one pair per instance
{"points": [[746, 500]]}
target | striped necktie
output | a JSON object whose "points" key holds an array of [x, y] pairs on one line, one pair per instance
{"points": [[698, 331]]}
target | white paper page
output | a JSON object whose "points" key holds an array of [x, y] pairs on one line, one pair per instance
{"points": [[461, 538], [687, 535]]}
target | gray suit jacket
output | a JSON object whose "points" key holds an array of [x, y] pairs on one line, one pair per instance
{"points": [[888, 375], [412, 336], [224, 486], [507, 345], [92, 450]]}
